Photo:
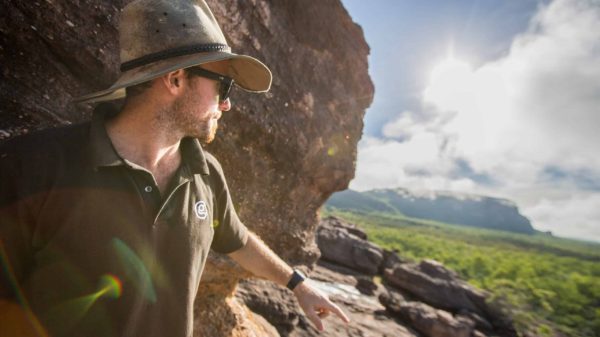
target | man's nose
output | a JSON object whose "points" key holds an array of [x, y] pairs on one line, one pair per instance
{"points": [[225, 105]]}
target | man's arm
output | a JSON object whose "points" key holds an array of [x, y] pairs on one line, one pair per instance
{"points": [[259, 259]]}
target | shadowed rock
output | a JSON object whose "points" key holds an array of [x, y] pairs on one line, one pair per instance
{"points": [[431, 283], [437, 270], [442, 293], [366, 285], [275, 303], [341, 246], [430, 321], [390, 260]]}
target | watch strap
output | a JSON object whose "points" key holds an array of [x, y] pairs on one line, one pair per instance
{"points": [[295, 280]]}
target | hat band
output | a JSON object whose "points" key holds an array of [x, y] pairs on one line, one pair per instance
{"points": [[169, 53]]}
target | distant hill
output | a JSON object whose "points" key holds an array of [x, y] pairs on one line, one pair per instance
{"points": [[460, 209]]}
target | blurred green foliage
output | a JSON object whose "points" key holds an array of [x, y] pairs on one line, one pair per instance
{"points": [[550, 284]]}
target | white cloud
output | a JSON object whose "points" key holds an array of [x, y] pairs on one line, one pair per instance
{"points": [[537, 107], [575, 216], [404, 127]]}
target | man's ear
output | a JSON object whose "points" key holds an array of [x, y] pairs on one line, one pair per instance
{"points": [[174, 81]]}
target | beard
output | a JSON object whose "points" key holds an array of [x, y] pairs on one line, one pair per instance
{"points": [[182, 117]]}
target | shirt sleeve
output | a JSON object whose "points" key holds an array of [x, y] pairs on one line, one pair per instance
{"points": [[15, 247], [230, 233]]}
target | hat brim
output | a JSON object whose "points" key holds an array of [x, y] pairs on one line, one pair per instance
{"points": [[248, 73]]}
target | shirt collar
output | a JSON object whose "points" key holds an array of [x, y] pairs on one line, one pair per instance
{"points": [[102, 151], [104, 154], [193, 155]]}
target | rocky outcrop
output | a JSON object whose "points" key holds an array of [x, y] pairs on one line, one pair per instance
{"points": [[277, 303], [430, 282], [341, 245], [424, 296], [442, 292], [390, 260], [284, 152], [368, 317], [429, 321]]}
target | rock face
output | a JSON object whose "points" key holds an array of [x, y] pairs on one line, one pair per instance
{"points": [[338, 244], [284, 152]]}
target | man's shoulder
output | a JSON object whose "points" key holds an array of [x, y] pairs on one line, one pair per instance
{"points": [[213, 163], [45, 142], [41, 151]]}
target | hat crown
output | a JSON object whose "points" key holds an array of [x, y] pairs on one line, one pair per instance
{"points": [[149, 27], [161, 36]]}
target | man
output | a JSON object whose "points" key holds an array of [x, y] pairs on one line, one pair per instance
{"points": [[105, 226]]}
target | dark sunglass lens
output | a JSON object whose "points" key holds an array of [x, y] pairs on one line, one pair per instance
{"points": [[225, 89]]}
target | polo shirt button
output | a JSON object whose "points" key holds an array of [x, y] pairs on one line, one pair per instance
{"points": [[148, 188]]}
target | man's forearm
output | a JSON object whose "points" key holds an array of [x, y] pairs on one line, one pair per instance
{"points": [[259, 259]]}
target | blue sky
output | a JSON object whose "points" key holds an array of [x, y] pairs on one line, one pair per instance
{"points": [[408, 37], [487, 97]]}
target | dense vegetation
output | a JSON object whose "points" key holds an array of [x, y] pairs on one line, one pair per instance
{"points": [[551, 284]]}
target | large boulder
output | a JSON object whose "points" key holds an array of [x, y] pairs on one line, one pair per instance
{"points": [[284, 153], [337, 222], [430, 321], [430, 282], [440, 292], [437, 270], [273, 302], [339, 244]]}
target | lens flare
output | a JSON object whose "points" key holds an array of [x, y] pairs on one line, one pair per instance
{"points": [[111, 286], [16, 319], [67, 314], [135, 270]]}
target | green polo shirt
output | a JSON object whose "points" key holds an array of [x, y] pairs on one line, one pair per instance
{"points": [[91, 246]]}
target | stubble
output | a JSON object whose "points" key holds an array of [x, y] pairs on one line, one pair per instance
{"points": [[184, 119]]}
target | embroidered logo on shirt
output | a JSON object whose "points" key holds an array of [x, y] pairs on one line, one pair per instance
{"points": [[201, 210]]}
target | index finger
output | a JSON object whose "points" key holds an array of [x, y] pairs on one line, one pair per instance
{"points": [[336, 310]]}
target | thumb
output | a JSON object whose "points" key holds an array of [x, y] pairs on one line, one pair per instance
{"points": [[315, 319]]}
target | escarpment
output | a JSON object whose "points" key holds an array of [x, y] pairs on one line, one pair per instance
{"points": [[283, 152]]}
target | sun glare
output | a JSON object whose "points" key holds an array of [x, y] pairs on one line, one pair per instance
{"points": [[450, 69], [451, 80], [476, 99]]}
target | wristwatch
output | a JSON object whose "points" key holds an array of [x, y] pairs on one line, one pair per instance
{"points": [[296, 279]]}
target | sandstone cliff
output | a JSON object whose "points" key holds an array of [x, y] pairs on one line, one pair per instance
{"points": [[449, 207], [284, 152]]}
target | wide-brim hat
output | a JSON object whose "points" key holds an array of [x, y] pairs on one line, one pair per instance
{"points": [[160, 36]]}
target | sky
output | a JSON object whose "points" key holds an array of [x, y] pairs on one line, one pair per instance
{"points": [[488, 97]]}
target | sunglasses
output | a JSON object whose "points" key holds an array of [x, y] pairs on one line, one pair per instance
{"points": [[225, 83]]}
